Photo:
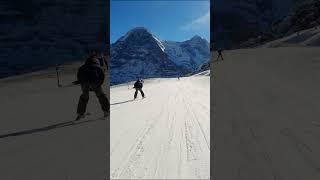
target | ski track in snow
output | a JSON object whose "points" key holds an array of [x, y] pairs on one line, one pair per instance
{"points": [[266, 102], [164, 136], [39, 141]]}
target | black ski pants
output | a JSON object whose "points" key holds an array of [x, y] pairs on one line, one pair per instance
{"points": [[220, 55], [84, 98], [136, 93]]}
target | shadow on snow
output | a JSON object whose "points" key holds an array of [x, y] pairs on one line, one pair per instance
{"points": [[47, 128], [122, 102]]}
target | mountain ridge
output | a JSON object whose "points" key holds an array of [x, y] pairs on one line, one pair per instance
{"points": [[141, 54]]}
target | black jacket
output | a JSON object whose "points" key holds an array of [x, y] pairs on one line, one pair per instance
{"points": [[91, 72], [138, 84]]}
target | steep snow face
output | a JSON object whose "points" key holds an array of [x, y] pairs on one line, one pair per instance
{"points": [[132, 31], [141, 31], [308, 37], [139, 54], [159, 43], [190, 54]]}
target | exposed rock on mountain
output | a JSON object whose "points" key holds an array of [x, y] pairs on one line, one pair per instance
{"points": [[40, 33], [190, 54], [140, 54]]}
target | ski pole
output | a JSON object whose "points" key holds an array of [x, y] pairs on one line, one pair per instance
{"points": [[58, 78]]}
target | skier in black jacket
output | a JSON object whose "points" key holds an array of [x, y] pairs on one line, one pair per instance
{"points": [[220, 54], [91, 77], [138, 86]]}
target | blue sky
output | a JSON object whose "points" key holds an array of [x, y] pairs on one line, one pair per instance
{"points": [[168, 20]]}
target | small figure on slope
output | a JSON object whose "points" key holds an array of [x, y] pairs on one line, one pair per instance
{"points": [[220, 54], [91, 77], [138, 86]]}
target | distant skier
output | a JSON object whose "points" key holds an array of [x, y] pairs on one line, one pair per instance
{"points": [[220, 54], [179, 76], [91, 77], [138, 86]]}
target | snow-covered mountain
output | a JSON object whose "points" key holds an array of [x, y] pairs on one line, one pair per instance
{"points": [[297, 28], [309, 37], [190, 54], [40, 33], [304, 15], [237, 21], [301, 27], [140, 54]]}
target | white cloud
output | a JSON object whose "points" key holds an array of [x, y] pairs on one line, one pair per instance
{"points": [[198, 23]]}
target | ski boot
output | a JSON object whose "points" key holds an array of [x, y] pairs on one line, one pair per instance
{"points": [[80, 116]]}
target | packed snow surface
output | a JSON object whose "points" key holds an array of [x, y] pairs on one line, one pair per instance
{"points": [[36, 140], [266, 111], [164, 136]]}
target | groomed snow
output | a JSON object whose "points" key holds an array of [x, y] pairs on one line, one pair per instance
{"points": [[45, 146], [164, 136], [267, 124]]}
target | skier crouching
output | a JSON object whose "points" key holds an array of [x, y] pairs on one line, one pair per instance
{"points": [[91, 77], [138, 86]]}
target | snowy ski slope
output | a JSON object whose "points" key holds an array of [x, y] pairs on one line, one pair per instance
{"points": [[164, 136], [36, 143], [267, 122]]}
